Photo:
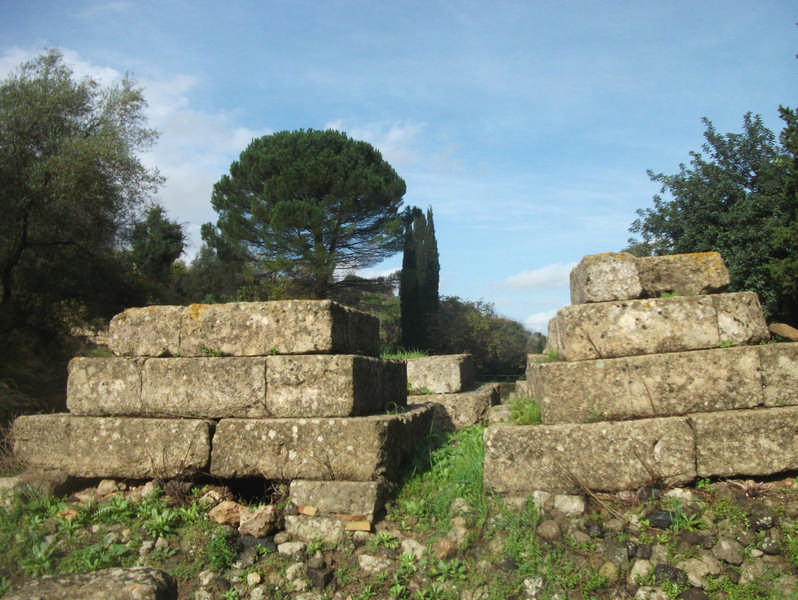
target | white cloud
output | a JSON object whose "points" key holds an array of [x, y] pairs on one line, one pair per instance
{"points": [[539, 321], [550, 277], [398, 142]]}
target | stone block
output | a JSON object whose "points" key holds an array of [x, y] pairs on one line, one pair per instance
{"points": [[653, 385], [607, 456], [204, 387], [779, 366], [104, 386], [141, 583], [622, 276], [244, 329], [356, 448], [444, 374], [605, 277], [457, 411], [327, 529], [146, 331], [652, 326], [684, 274], [113, 447], [352, 498], [746, 442], [334, 385]]}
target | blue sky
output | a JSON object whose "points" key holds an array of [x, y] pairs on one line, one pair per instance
{"points": [[527, 126]]}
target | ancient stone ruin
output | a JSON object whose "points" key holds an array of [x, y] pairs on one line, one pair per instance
{"points": [[652, 375], [287, 390]]}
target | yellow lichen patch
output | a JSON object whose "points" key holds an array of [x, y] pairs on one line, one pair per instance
{"points": [[195, 310]]}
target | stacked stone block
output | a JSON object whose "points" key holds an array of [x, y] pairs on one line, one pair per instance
{"points": [[447, 381], [288, 390], [639, 385]]}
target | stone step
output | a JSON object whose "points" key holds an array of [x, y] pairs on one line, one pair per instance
{"points": [[445, 374], [311, 385], [625, 455], [354, 449], [244, 329], [654, 326], [665, 384], [622, 276], [457, 411], [113, 447]]}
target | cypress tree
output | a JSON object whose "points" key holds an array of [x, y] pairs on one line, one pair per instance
{"points": [[418, 288]]}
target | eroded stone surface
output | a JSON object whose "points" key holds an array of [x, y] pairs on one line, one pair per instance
{"points": [[104, 386], [651, 326], [112, 447], [445, 374], [622, 276], [746, 442], [334, 385], [605, 277], [456, 411], [652, 385], [685, 274], [204, 387], [353, 498], [356, 448], [606, 456], [244, 329], [136, 583]]}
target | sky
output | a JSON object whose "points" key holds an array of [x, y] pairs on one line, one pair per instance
{"points": [[527, 126]]}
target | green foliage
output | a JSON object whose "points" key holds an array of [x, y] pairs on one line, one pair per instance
{"points": [[498, 345], [418, 287], [404, 354], [220, 551], [738, 197], [524, 411], [301, 204], [71, 181], [156, 243], [455, 472]]}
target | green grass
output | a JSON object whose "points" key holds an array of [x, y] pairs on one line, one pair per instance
{"points": [[405, 354], [524, 411]]}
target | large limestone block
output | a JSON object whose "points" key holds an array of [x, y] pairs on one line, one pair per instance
{"points": [[104, 386], [356, 448], [244, 329], [746, 442], [457, 411], [605, 277], [112, 447], [204, 387], [779, 365], [608, 456], [135, 583], [334, 385], [684, 274], [652, 326], [622, 276], [654, 385], [146, 331], [352, 498], [445, 374]]}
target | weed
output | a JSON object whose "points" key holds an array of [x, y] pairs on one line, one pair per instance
{"points": [[205, 351], [726, 344], [405, 354], [549, 356], [524, 411], [220, 551], [160, 523]]}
